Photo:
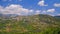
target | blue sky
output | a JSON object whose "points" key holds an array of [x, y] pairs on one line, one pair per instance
{"points": [[51, 7]]}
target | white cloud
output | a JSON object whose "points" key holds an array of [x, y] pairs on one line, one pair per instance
{"points": [[58, 14], [31, 10], [43, 12], [37, 11], [47, 11], [57, 4], [51, 10], [14, 9], [42, 3], [1, 7], [18, 9]]}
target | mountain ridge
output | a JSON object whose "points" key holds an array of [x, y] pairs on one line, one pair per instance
{"points": [[32, 24]]}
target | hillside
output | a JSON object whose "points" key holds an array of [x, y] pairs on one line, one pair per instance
{"points": [[58, 17], [33, 24]]}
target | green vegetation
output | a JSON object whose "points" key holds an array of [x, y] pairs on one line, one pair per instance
{"points": [[35, 24]]}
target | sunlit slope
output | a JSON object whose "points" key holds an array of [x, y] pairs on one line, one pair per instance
{"points": [[34, 24]]}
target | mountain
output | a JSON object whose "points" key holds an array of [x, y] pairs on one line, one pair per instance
{"points": [[32, 24], [8, 15], [57, 17]]}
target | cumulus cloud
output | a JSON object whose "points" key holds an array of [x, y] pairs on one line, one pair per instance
{"points": [[37, 11], [1, 7], [44, 12], [19, 10], [14, 9], [57, 4], [58, 14], [48, 11], [42, 3], [51, 10]]}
